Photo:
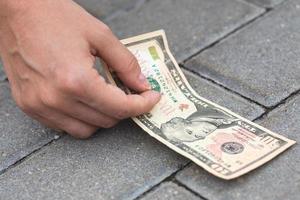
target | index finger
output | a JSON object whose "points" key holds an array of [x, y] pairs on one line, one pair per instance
{"points": [[119, 58]]}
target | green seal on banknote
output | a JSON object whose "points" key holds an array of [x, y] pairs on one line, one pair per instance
{"points": [[154, 84]]}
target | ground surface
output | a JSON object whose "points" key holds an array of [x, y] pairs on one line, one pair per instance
{"points": [[244, 55]]}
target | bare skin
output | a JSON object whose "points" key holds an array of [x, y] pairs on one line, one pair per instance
{"points": [[48, 49]]}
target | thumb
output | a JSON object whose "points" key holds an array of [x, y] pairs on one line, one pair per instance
{"points": [[120, 59]]}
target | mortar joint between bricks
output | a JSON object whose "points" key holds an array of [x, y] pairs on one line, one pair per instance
{"points": [[170, 178]]}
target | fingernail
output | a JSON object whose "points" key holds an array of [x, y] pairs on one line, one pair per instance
{"points": [[156, 95], [144, 81]]}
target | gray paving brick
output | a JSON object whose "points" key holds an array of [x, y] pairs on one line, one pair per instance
{"points": [[190, 25], [2, 74], [19, 135], [170, 191], [261, 61], [224, 98], [118, 163], [105, 8], [278, 179], [266, 3]]}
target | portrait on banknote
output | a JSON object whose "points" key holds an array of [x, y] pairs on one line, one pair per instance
{"points": [[196, 127]]}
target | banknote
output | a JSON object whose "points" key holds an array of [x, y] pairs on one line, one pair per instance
{"points": [[215, 138]]}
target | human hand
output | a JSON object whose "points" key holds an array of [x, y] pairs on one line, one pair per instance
{"points": [[48, 49]]}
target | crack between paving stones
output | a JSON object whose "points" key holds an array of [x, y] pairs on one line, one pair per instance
{"points": [[172, 179], [279, 104], [242, 26], [267, 109], [23, 159], [245, 25], [222, 86], [167, 179], [175, 181]]}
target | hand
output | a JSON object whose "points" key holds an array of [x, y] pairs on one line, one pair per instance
{"points": [[48, 49]]}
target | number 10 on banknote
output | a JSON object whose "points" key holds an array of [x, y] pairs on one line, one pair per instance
{"points": [[222, 142]]}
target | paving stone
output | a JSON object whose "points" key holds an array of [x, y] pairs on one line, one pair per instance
{"points": [[278, 179], [190, 25], [2, 74], [261, 61], [170, 191], [118, 163], [19, 135], [266, 3], [224, 98], [105, 8]]}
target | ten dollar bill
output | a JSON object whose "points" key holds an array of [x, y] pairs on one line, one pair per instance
{"points": [[222, 142]]}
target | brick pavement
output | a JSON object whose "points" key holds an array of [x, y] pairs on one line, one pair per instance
{"points": [[20, 135], [234, 52], [260, 61]]}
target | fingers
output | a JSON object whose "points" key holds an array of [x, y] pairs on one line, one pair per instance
{"points": [[72, 126], [119, 58], [42, 106], [91, 116], [80, 111], [115, 103], [91, 89]]}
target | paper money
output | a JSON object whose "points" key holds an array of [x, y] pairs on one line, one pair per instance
{"points": [[222, 142]]}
